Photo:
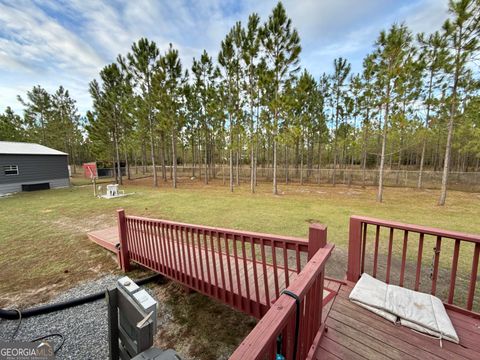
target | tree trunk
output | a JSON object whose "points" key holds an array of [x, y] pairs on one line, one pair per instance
{"points": [[152, 150], [237, 168], [252, 167], [174, 158], [119, 179], [448, 148], [275, 189], [286, 164], [422, 160], [301, 164], [319, 158], [231, 154], [364, 151], [127, 163], [206, 158], [384, 145], [446, 163], [144, 158], [193, 156], [231, 170]]}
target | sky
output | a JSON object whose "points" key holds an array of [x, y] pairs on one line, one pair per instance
{"points": [[53, 43]]}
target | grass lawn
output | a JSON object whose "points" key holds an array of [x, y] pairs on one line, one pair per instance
{"points": [[43, 243]]}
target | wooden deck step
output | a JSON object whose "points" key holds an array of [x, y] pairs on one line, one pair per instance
{"points": [[107, 238]]}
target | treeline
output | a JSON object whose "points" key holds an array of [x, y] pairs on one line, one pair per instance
{"points": [[415, 104], [49, 119]]}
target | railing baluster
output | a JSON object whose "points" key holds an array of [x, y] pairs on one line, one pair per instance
{"points": [[453, 274], [285, 264], [222, 269], [143, 244], [229, 266], [255, 274], [163, 247], [139, 241], [161, 242], [404, 257], [214, 264], [473, 277], [237, 271], [129, 237], [297, 254], [364, 246], [419, 261], [158, 263], [195, 265], [435, 264], [265, 273], [375, 253], [275, 271], [245, 269], [173, 251], [389, 256], [150, 240], [146, 244], [178, 253], [204, 285], [208, 263], [160, 248], [183, 250], [186, 247], [132, 239]]}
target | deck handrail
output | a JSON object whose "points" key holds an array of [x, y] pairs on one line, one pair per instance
{"points": [[302, 242], [357, 255], [246, 270], [261, 342]]}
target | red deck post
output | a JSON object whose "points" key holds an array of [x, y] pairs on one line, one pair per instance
{"points": [[122, 235], [317, 238], [354, 249]]}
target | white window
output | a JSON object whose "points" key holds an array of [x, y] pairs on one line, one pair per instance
{"points": [[10, 169]]}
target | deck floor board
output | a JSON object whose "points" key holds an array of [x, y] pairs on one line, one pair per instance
{"points": [[356, 333]]}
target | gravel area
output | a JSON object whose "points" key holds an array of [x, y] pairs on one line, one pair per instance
{"points": [[84, 327]]}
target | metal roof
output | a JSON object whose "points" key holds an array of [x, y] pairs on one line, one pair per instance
{"points": [[21, 148]]}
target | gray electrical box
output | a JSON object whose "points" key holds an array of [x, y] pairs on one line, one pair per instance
{"points": [[132, 323]]}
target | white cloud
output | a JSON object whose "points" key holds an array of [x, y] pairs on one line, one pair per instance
{"points": [[52, 43]]}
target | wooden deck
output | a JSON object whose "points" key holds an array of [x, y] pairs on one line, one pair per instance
{"points": [[107, 238], [355, 333], [176, 267]]}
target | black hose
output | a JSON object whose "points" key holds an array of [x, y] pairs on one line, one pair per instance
{"points": [[45, 309], [297, 319]]}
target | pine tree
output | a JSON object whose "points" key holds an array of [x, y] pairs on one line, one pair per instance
{"points": [[37, 114], [433, 56], [142, 64], [462, 34], [281, 44], [11, 126], [392, 51], [341, 70], [171, 100]]}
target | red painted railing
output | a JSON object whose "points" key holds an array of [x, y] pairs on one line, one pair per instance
{"points": [[280, 322], [246, 270], [365, 232]]}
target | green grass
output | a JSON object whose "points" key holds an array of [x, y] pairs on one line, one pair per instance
{"points": [[43, 239]]}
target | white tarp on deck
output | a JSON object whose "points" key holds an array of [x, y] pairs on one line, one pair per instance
{"points": [[416, 310]]}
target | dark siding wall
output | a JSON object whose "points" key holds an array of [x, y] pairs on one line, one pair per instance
{"points": [[34, 167]]}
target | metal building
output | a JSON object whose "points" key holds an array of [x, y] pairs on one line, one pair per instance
{"points": [[28, 166]]}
